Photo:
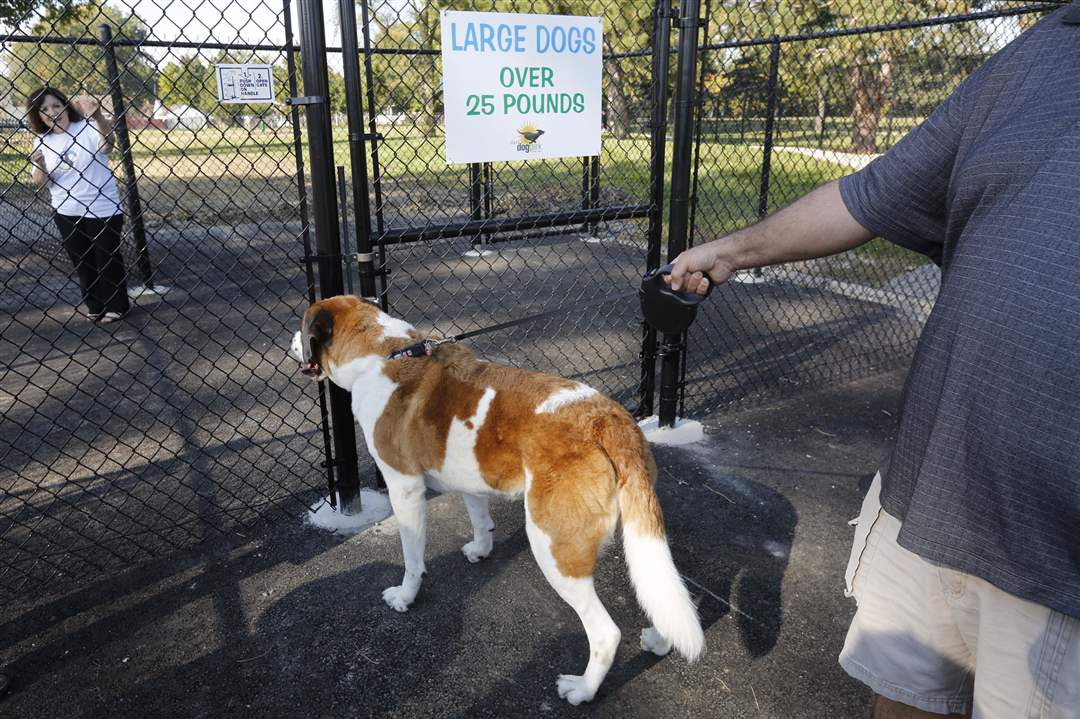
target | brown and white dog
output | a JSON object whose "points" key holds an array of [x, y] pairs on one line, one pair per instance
{"points": [[458, 424]]}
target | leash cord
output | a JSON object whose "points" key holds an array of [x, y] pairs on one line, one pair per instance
{"points": [[424, 348]]}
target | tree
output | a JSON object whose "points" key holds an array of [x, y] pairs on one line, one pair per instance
{"points": [[14, 12], [857, 74], [80, 69], [188, 81]]}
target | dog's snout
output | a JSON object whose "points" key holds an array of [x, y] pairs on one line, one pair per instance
{"points": [[297, 348]]}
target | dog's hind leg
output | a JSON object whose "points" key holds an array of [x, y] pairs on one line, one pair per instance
{"points": [[410, 510], [482, 526], [580, 594], [567, 520]]}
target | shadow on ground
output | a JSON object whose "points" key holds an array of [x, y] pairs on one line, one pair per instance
{"points": [[290, 623]]}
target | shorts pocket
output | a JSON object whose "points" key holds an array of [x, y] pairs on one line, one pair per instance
{"points": [[863, 544]]}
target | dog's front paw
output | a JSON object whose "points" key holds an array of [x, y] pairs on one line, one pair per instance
{"points": [[574, 689], [398, 599], [655, 642], [474, 551]]}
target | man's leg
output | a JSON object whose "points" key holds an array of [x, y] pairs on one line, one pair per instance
{"points": [[904, 642], [1027, 656], [888, 709]]}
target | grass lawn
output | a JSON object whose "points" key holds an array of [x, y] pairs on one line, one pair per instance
{"points": [[230, 176]]}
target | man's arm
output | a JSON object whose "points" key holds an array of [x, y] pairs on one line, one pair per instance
{"points": [[816, 225]]}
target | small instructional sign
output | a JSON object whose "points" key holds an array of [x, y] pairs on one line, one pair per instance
{"points": [[243, 84], [521, 87]]}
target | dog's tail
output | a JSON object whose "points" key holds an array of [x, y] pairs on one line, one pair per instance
{"points": [[659, 588]]}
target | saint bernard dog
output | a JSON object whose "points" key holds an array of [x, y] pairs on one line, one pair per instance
{"points": [[458, 424]]}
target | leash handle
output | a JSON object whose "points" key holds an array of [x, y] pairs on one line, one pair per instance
{"points": [[689, 299]]}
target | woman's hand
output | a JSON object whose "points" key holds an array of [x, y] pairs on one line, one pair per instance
{"points": [[39, 174], [89, 107]]}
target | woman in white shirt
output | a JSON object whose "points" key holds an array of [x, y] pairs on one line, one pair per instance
{"points": [[71, 158]]}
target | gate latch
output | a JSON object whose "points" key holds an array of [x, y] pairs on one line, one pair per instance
{"points": [[307, 100]]}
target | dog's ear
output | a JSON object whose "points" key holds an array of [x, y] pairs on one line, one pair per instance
{"points": [[320, 333], [321, 328]]}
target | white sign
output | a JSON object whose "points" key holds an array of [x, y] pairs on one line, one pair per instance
{"points": [[520, 87], [245, 83]]}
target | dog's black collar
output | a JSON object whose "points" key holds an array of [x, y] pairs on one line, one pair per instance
{"points": [[423, 348]]}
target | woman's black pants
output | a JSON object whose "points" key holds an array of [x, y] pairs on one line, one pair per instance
{"points": [[93, 244]]}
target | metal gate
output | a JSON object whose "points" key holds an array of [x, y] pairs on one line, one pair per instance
{"points": [[466, 248]]}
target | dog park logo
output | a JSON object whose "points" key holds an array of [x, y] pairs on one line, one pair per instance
{"points": [[528, 135]]}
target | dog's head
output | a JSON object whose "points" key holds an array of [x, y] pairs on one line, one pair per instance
{"points": [[340, 329]]}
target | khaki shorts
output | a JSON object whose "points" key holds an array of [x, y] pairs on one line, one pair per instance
{"points": [[949, 642]]}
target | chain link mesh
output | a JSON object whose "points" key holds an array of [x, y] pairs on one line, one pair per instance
{"points": [[457, 284], [183, 420], [850, 79]]}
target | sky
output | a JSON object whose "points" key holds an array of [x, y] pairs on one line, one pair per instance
{"points": [[243, 21]]}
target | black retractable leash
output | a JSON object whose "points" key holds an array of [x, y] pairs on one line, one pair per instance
{"points": [[669, 311], [666, 310], [424, 348]]}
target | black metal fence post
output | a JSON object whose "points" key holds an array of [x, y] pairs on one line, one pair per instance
{"points": [[586, 197], [354, 101], [594, 191], [476, 197], [327, 238], [343, 198], [679, 223], [376, 174], [703, 67], [305, 227], [134, 204], [661, 54], [770, 120]]}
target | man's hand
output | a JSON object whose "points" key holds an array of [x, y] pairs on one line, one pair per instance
{"points": [[89, 107], [695, 268]]}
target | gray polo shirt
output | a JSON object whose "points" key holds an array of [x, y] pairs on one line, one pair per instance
{"points": [[985, 471]]}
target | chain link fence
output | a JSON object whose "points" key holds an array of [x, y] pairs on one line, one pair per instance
{"points": [[792, 95], [518, 258], [184, 420]]}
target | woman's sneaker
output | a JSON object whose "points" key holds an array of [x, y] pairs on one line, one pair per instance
{"points": [[110, 317]]}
